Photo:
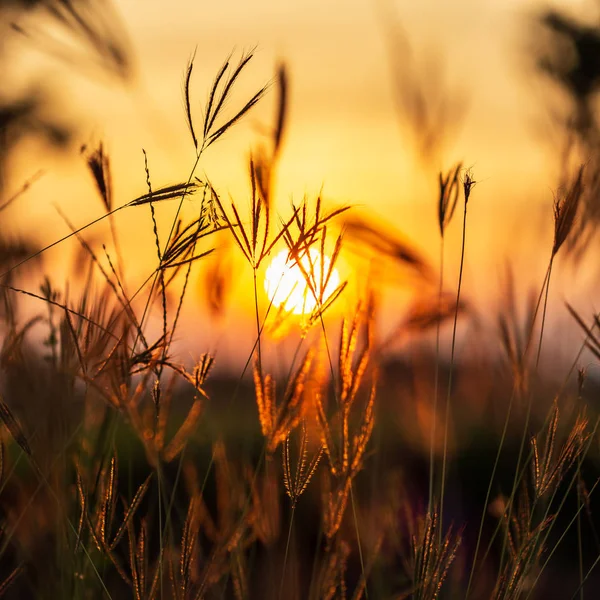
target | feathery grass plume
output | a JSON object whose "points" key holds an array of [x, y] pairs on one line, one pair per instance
{"points": [[565, 211], [233, 532], [282, 106], [99, 165], [182, 245], [217, 283], [320, 282], [277, 421], [52, 296], [310, 231], [525, 550], [549, 466], [168, 192], [264, 160], [569, 59], [239, 575], [94, 27], [105, 512], [321, 307], [138, 563], [345, 457], [187, 99], [186, 429], [427, 312], [515, 332], [430, 110], [83, 506], [345, 449], [106, 508], [431, 555], [334, 500], [468, 184], [385, 243], [231, 499], [219, 96], [25, 114], [592, 341], [200, 373], [129, 511], [201, 512], [424, 313], [296, 481], [83, 33], [333, 576], [309, 225], [188, 548], [84, 344], [98, 533], [448, 199], [254, 243], [265, 400], [178, 191], [12, 351], [316, 273]]}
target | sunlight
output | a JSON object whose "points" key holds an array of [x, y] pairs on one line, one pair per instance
{"points": [[286, 286]]}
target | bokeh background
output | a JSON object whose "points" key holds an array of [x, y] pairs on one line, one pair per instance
{"points": [[383, 95]]}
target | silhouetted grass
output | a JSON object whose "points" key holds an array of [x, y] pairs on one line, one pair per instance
{"points": [[127, 472]]}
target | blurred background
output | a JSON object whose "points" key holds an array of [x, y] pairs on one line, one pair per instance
{"points": [[382, 96]]}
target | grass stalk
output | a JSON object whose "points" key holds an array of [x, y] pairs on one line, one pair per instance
{"points": [[451, 369], [287, 548]]}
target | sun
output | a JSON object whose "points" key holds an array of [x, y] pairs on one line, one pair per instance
{"points": [[286, 286]]}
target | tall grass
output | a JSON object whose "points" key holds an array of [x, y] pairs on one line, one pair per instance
{"points": [[126, 471]]}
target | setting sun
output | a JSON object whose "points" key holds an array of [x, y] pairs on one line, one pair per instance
{"points": [[285, 281]]}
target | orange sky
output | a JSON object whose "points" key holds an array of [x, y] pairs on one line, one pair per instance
{"points": [[344, 134]]}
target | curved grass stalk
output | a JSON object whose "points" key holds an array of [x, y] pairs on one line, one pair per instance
{"points": [[549, 275]]}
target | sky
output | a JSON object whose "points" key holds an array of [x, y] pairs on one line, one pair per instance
{"points": [[345, 138]]}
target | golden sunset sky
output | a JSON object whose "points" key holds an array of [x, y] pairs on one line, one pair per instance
{"points": [[344, 136]]}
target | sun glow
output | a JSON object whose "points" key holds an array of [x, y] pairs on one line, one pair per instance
{"points": [[286, 285]]}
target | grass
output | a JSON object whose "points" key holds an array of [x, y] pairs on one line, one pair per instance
{"points": [[125, 471]]}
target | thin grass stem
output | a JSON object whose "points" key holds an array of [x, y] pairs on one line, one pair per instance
{"points": [[287, 547], [450, 375]]}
